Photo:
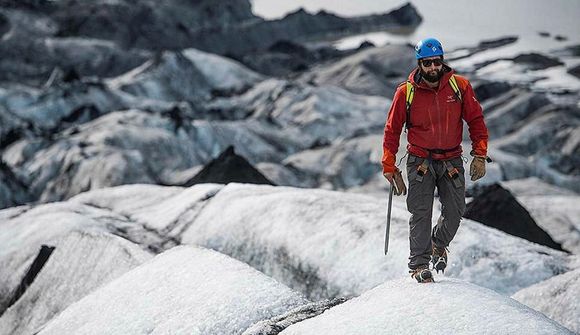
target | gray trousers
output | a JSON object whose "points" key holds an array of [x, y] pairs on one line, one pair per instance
{"points": [[420, 205]]}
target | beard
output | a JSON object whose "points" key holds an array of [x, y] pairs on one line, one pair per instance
{"points": [[433, 75]]}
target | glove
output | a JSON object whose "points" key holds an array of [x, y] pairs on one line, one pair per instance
{"points": [[477, 168], [396, 180]]}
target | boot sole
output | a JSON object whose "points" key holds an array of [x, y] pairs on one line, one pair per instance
{"points": [[428, 279], [439, 266]]}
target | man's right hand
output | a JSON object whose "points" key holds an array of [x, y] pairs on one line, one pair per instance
{"points": [[396, 180]]}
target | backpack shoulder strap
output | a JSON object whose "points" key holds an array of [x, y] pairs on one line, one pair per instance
{"points": [[410, 94], [455, 88]]}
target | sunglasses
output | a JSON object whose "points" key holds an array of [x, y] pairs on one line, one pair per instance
{"points": [[428, 62]]}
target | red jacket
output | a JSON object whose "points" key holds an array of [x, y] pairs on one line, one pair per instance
{"points": [[437, 120]]}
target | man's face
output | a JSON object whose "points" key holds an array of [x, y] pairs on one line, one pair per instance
{"points": [[431, 68]]}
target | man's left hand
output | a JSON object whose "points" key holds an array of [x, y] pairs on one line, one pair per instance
{"points": [[477, 168]]}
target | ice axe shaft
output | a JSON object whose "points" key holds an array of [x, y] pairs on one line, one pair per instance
{"points": [[388, 219]]}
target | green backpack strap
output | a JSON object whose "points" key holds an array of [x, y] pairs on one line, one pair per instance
{"points": [[410, 94], [455, 88]]}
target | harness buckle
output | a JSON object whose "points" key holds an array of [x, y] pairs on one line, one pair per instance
{"points": [[453, 173], [423, 168]]}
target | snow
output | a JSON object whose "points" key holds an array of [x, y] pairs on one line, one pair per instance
{"points": [[377, 38], [13, 270], [493, 259], [283, 175], [342, 165], [327, 244], [329, 111], [372, 71], [185, 290], [47, 110], [448, 306], [553, 208], [323, 244], [503, 119], [512, 166], [80, 263], [313, 133], [278, 323], [557, 298], [127, 198], [534, 186], [20, 238], [285, 232], [188, 75], [221, 72], [255, 140], [124, 147], [325, 113], [168, 214], [53, 220]]}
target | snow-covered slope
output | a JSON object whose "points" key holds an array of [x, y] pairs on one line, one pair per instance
{"points": [[325, 243], [549, 139], [320, 243], [188, 75], [556, 297], [80, 263], [374, 71], [447, 307], [341, 165], [185, 290], [24, 229], [326, 113], [329, 243], [20, 227], [135, 146], [554, 209], [157, 144], [47, 109]]}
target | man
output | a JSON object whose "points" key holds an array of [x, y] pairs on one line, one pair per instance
{"points": [[432, 105]]}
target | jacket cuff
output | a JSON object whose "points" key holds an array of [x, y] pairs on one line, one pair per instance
{"points": [[479, 148], [388, 161]]}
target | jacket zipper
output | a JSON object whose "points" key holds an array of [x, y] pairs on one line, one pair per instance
{"points": [[439, 132]]}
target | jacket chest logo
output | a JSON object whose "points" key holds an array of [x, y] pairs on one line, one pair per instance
{"points": [[450, 98]]}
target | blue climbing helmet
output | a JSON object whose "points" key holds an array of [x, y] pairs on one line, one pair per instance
{"points": [[428, 47]]}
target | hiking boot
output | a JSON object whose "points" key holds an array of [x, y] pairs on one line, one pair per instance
{"points": [[422, 275], [439, 258]]}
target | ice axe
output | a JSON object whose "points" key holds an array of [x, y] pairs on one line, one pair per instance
{"points": [[388, 219]]}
